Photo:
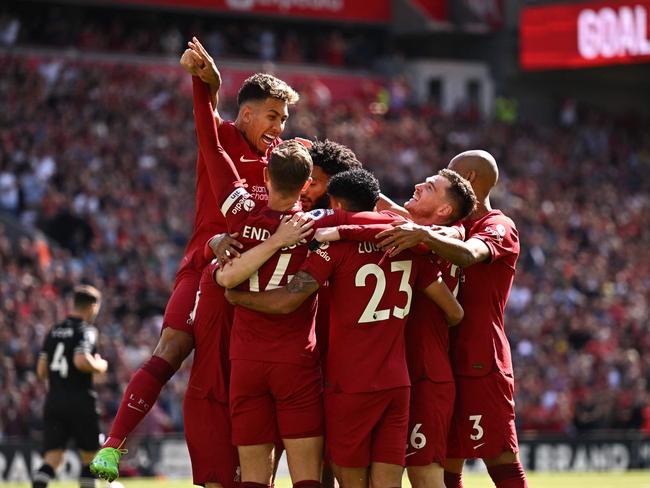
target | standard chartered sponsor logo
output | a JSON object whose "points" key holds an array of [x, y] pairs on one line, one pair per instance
{"points": [[333, 5]]}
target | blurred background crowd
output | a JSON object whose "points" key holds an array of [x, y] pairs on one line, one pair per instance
{"points": [[97, 185], [158, 32], [110, 179]]}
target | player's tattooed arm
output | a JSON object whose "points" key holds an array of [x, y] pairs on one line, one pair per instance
{"points": [[279, 301], [302, 284], [292, 229]]}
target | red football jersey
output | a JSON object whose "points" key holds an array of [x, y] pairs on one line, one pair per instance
{"points": [[479, 344], [427, 332], [249, 165], [210, 374], [258, 336], [288, 338], [369, 305]]}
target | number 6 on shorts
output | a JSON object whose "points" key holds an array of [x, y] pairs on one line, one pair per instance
{"points": [[418, 439]]}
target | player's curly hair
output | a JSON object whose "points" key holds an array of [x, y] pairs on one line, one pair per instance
{"points": [[460, 193], [357, 188], [333, 158], [261, 86]]}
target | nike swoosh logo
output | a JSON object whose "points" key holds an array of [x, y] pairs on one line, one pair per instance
{"points": [[246, 160], [410, 454], [135, 408], [479, 445]]}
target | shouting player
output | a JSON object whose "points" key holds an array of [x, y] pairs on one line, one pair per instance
{"points": [[483, 425], [263, 102], [367, 411]]}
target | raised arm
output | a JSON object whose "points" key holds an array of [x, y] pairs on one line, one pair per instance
{"points": [[206, 69], [279, 301], [441, 296], [221, 171], [290, 231]]}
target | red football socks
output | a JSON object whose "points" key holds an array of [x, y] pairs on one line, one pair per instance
{"points": [[508, 475], [453, 480], [140, 395], [307, 484]]}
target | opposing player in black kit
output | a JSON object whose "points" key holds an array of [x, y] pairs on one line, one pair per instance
{"points": [[68, 359]]}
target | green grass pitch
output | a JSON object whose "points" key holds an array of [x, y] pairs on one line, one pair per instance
{"points": [[631, 479]]}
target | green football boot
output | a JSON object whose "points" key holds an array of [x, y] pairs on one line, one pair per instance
{"points": [[106, 463]]}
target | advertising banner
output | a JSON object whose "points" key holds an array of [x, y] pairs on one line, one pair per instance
{"points": [[585, 34], [168, 457]]}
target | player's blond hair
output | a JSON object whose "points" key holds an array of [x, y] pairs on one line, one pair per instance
{"points": [[290, 165]]}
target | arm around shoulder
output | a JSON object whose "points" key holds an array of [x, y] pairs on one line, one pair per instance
{"points": [[457, 252], [279, 301]]}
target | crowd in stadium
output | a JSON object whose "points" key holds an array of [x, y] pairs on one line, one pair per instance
{"points": [[159, 33], [101, 159]]}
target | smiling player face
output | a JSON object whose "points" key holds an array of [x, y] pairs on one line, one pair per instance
{"points": [[429, 204], [264, 121], [315, 196]]}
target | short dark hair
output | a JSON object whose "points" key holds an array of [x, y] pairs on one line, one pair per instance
{"points": [[358, 189], [261, 86], [289, 166], [333, 158], [460, 193], [85, 295]]}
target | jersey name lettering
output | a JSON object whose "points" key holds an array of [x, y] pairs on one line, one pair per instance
{"points": [[368, 247], [62, 333], [256, 233]]}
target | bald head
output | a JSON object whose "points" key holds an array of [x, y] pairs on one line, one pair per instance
{"points": [[477, 166]]}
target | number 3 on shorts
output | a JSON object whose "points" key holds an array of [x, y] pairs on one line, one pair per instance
{"points": [[418, 440], [477, 427]]}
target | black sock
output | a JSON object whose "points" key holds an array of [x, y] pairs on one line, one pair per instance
{"points": [[86, 479], [43, 476]]}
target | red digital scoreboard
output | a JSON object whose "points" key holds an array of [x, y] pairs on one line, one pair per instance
{"points": [[586, 34]]}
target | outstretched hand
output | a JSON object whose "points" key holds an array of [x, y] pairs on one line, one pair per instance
{"points": [[293, 229], [206, 68], [401, 237], [225, 248]]}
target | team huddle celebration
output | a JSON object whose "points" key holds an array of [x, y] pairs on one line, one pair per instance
{"points": [[360, 337]]}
